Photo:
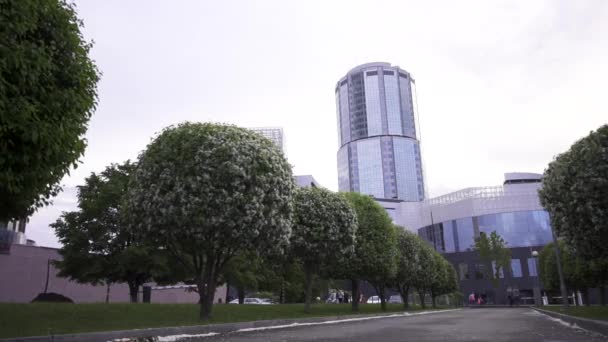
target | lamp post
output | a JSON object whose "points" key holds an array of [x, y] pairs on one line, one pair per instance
{"points": [[537, 297], [562, 283]]}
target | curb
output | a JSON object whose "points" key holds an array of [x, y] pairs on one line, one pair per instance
{"points": [[596, 326], [152, 334]]}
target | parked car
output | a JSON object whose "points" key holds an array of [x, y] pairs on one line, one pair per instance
{"points": [[395, 299], [255, 301], [373, 300]]}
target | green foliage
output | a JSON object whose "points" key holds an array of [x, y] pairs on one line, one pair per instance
{"points": [[97, 246], [323, 233], [574, 193], [409, 247], [207, 192], [375, 256], [494, 252], [578, 274], [47, 95]]}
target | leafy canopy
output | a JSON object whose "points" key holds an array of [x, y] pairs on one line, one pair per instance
{"points": [[574, 193], [494, 252], [375, 247], [47, 96], [324, 227], [97, 246], [205, 192]]}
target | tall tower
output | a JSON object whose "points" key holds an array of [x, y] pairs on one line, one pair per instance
{"points": [[378, 133]]}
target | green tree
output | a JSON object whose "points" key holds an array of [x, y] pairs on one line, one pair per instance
{"points": [[374, 258], [574, 193], [243, 272], [324, 232], [96, 245], [207, 192], [445, 281], [428, 272], [494, 253], [409, 247], [579, 274], [47, 95]]}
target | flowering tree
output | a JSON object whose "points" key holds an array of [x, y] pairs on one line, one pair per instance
{"points": [[205, 192], [375, 248], [323, 233]]}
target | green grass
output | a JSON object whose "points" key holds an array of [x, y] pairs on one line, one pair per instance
{"points": [[593, 312], [18, 320]]}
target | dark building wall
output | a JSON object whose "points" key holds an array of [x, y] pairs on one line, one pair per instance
{"points": [[475, 281]]}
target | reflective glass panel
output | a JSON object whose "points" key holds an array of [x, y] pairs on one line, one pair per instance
{"points": [[516, 268], [372, 106], [393, 109], [370, 167]]}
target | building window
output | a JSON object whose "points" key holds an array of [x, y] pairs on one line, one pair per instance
{"points": [[516, 268], [463, 270], [502, 271], [532, 272]]}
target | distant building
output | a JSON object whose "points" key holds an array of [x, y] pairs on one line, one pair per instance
{"points": [[306, 181], [452, 222], [275, 134], [378, 133]]}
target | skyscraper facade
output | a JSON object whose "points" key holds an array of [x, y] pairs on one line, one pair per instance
{"points": [[275, 134], [378, 133]]}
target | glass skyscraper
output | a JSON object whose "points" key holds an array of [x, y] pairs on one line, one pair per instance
{"points": [[378, 133]]}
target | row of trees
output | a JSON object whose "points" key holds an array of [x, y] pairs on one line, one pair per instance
{"points": [[574, 193], [218, 204]]}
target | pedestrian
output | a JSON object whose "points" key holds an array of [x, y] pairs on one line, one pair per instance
{"points": [[340, 296], [346, 296]]}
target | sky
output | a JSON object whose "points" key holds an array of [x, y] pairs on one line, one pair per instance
{"points": [[502, 86]]}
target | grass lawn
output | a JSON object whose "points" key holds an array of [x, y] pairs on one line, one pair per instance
{"points": [[593, 312], [17, 320]]}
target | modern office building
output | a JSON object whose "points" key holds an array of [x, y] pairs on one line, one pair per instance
{"points": [[275, 134], [378, 133], [452, 222]]}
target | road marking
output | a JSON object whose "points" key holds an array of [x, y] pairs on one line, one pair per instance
{"points": [[357, 319]]}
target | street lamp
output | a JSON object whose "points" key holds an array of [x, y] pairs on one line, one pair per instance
{"points": [[562, 283], [537, 297]]}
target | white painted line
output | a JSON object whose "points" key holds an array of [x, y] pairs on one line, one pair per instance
{"points": [[173, 338], [357, 319]]}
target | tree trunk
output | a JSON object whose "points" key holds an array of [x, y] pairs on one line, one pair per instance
{"points": [[206, 292], [422, 302], [434, 299], [602, 295], [133, 290], [404, 291], [108, 292], [308, 298], [355, 298], [585, 295], [382, 296], [282, 293], [241, 293], [227, 292]]}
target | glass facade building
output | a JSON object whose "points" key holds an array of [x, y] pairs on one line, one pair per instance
{"points": [[275, 134], [378, 133], [518, 229]]}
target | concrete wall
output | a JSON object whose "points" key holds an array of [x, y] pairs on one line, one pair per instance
{"points": [[23, 276]]}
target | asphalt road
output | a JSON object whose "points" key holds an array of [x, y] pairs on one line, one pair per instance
{"points": [[516, 324]]}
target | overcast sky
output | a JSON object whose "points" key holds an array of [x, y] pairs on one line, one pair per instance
{"points": [[502, 85]]}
